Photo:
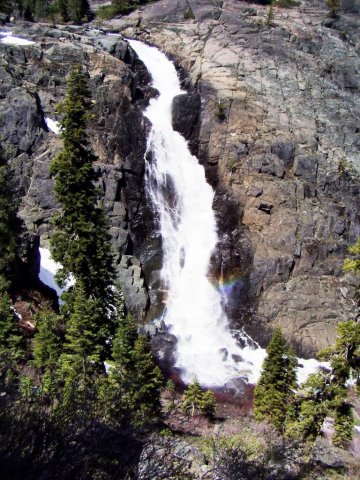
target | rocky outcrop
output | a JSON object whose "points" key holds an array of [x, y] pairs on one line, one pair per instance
{"points": [[33, 81], [185, 112], [283, 155]]}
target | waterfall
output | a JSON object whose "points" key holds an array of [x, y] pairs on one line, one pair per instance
{"points": [[182, 201]]}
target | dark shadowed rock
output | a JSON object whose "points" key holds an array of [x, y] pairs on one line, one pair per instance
{"points": [[305, 167], [285, 151], [185, 112]]}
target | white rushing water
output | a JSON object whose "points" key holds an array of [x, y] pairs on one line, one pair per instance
{"points": [[183, 202]]}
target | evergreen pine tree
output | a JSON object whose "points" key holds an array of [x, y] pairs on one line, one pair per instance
{"points": [[12, 345], [326, 392], [344, 424], [123, 346], [344, 357], [26, 387], [208, 404], [80, 364], [313, 403], [133, 376], [41, 8], [144, 386], [273, 395], [111, 388], [47, 343], [80, 241], [81, 338], [8, 225], [78, 10], [63, 10], [193, 398], [47, 348]]}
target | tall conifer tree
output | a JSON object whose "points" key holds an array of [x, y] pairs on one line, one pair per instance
{"points": [[144, 386], [134, 374], [11, 338], [80, 241], [273, 395], [47, 340], [8, 225]]}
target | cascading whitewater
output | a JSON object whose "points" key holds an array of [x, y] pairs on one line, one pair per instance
{"points": [[182, 199]]}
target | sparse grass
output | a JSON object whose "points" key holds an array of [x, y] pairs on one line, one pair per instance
{"points": [[231, 165]]}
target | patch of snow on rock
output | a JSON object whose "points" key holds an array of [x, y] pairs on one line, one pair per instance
{"points": [[308, 367], [9, 39], [53, 125], [48, 269]]}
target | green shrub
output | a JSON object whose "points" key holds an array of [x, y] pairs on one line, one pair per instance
{"points": [[189, 14], [220, 112]]}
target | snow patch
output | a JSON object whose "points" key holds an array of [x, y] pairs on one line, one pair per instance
{"points": [[255, 357], [308, 367], [10, 39], [108, 366], [53, 125], [48, 269]]}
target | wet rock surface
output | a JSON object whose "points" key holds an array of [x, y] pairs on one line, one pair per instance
{"points": [[283, 156]]}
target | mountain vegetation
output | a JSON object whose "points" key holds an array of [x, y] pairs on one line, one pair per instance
{"points": [[9, 224], [76, 11]]}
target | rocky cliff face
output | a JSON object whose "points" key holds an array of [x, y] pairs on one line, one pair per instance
{"points": [[278, 134], [33, 80], [279, 138]]}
